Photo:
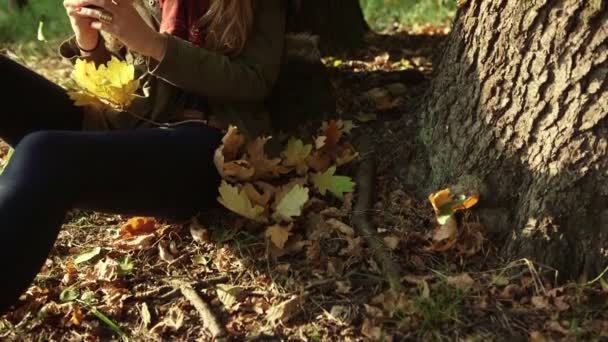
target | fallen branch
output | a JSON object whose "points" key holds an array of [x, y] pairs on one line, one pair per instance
{"points": [[366, 177], [210, 322]]}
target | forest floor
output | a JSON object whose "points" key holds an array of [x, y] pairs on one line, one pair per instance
{"points": [[325, 284]]}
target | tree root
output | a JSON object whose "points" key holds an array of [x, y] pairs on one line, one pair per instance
{"points": [[210, 321], [366, 177]]}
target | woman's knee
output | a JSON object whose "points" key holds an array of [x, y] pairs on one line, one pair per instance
{"points": [[40, 154]]}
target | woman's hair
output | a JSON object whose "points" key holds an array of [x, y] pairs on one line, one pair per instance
{"points": [[227, 25]]}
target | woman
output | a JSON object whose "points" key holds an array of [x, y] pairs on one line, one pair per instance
{"points": [[212, 61]]}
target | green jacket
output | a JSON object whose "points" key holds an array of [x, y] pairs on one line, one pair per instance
{"points": [[234, 89]]}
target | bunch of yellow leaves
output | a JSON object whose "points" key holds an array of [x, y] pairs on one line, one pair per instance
{"points": [[110, 86]]}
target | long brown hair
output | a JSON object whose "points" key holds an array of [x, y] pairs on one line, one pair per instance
{"points": [[227, 25]]}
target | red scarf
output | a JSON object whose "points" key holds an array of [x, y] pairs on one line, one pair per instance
{"points": [[180, 18]]}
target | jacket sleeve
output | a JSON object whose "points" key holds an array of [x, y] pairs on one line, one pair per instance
{"points": [[247, 77]]}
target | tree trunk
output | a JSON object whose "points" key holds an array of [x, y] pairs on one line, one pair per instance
{"points": [[518, 110], [16, 5], [339, 23]]}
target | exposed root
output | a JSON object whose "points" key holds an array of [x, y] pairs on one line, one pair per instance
{"points": [[366, 177]]}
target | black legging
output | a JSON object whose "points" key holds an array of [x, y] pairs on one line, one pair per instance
{"points": [[55, 167]]}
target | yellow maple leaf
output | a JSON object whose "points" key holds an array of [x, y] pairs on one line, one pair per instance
{"points": [[279, 234], [113, 84], [291, 203], [238, 202], [296, 155]]}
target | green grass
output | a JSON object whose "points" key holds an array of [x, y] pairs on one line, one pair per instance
{"points": [[23, 26], [382, 13]]}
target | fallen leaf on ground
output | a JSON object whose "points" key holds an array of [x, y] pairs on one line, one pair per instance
{"points": [[198, 231], [279, 234], [346, 154], [135, 242], [341, 227], [138, 226], [290, 205], [164, 252], [264, 167], [105, 270], [238, 202], [445, 237], [332, 134], [370, 330], [366, 117], [87, 256], [284, 311], [462, 281], [259, 198], [229, 295], [173, 321], [296, 155], [337, 185], [391, 241]]}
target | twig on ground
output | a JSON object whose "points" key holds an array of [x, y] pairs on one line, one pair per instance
{"points": [[366, 177], [210, 321]]}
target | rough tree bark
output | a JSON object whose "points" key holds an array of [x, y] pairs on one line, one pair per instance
{"points": [[340, 23], [518, 108]]}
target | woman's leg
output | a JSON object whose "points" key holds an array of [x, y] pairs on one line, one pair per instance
{"points": [[159, 172], [31, 103]]}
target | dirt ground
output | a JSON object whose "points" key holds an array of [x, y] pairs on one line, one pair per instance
{"points": [[325, 284]]}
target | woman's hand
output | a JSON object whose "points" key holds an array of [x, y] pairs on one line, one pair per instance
{"points": [[126, 25], [86, 36]]}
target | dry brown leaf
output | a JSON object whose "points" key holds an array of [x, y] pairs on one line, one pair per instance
{"points": [[138, 226], [136, 242], [391, 241], [77, 315], [105, 270], [509, 292], [240, 170], [284, 311], [232, 143], [346, 154], [370, 330], [537, 336], [173, 321], [445, 237], [540, 302], [332, 134], [373, 311], [556, 327], [319, 161], [258, 198], [71, 273], [114, 298], [264, 168], [341, 227], [164, 252], [279, 234], [462, 281], [198, 231], [229, 295], [320, 142]]}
